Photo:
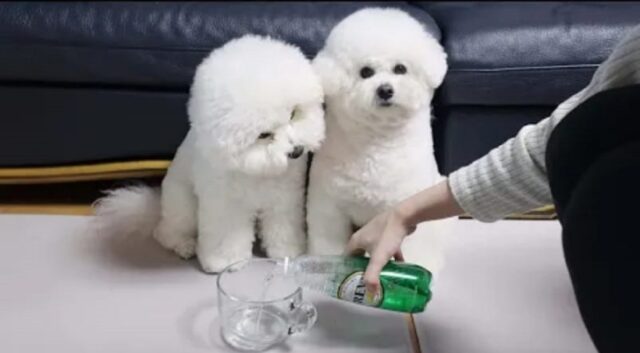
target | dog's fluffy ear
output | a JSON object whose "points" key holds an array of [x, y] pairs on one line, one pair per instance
{"points": [[434, 62], [332, 75]]}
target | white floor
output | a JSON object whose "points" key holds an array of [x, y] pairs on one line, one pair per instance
{"points": [[504, 289], [62, 289]]}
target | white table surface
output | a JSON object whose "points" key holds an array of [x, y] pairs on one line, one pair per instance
{"points": [[504, 289], [63, 289]]}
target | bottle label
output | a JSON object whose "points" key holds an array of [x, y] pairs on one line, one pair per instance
{"points": [[353, 289]]}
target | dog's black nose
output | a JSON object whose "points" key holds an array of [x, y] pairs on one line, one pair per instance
{"points": [[385, 91], [297, 152]]}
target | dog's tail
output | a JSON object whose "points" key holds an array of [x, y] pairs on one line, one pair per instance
{"points": [[132, 211]]}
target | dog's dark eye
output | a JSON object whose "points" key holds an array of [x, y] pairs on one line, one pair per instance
{"points": [[366, 72], [293, 115], [265, 135], [400, 69]]}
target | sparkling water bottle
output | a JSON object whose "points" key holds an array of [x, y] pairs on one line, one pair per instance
{"points": [[405, 287]]}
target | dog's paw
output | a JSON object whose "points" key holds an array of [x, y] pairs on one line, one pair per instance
{"points": [[286, 250], [217, 263], [186, 249], [326, 247], [184, 246]]}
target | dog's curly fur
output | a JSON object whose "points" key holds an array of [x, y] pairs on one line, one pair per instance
{"points": [[378, 149], [255, 110]]}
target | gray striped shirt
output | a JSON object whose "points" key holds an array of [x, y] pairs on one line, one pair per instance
{"points": [[512, 178]]}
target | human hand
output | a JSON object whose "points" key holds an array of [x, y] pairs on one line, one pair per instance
{"points": [[382, 238], [383, 235]]}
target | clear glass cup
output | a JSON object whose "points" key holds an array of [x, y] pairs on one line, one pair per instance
{"points": [[259, 306]]}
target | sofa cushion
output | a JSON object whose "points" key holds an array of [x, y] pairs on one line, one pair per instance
{"points": [[154, 44], [535, 53], [49, 126], [463, 134], [111, 79]]}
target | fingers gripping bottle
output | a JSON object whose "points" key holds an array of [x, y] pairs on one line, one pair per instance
{"points": [[404, 287]]}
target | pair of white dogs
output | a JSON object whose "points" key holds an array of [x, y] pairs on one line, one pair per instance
{"points": [[256, 109]]}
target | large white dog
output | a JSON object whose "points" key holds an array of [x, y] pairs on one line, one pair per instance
{"points": [[379, 69], [255, 111]]}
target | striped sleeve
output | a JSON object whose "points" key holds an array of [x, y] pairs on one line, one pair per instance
{"points": [[512, 178]]}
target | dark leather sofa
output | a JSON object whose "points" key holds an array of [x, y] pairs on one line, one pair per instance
{"points": [[93, 82]]}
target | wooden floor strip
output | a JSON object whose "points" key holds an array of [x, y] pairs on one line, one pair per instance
{"points": [[413, 334], [96, 168], [98, 171], [85, 209], [82, 177], [49, 209]]}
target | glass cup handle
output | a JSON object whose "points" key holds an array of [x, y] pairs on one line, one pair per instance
{"points": [[303, 316]]}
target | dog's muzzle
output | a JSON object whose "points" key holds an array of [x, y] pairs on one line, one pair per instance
{"points": [[297, 152]]}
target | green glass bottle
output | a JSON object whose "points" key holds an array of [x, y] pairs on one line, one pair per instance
{"points": [[405, 287]]}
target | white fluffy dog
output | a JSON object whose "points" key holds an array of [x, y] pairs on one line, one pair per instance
{"points": [[379, 70], [255, 111]]}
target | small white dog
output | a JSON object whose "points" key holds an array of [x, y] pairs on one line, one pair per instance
{"points": [[379, 70], [255, 111]]}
